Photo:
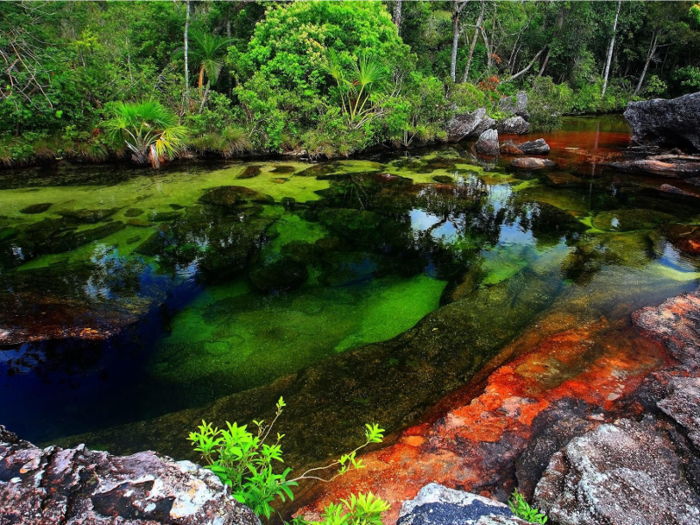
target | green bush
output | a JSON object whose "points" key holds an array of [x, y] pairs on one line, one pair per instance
{"points": [[246, 462], [523, 510], [363, 509], [547, 103]]}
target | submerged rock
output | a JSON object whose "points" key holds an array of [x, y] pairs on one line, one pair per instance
{"points": [[88, 216], [250, 172], [630, 219], [439, 505], [488, 143], [163, 216], [627, 474], [514, 126], [660, 122], [660, 167], [531, 164], [133, 212], [230, 196], [282, 275], [469, 125], [685, 237], [510, 148], [74, 239], [36, 208], [54, 486], [284, 169]]}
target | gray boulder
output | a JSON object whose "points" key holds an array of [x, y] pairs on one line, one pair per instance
{"points": [[488, 143], [531, 164], [438, 505], [469, 125], [534, 147], [626, 474], [660, 122], [516, 105], [514, 126], [76, 486]]}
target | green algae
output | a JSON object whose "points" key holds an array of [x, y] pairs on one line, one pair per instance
{"points": [[247, 340]]}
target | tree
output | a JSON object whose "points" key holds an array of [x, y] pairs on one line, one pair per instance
{"points": [[611, 48], [148, 129], [459, 6]]}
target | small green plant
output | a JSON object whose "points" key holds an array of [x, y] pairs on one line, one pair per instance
{"points": [[363, 509], [244, 461], [523, 510]]}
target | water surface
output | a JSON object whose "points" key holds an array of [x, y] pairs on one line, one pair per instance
{"points": [[363, 290]]}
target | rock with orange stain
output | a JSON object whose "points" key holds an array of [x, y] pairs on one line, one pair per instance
{"points": [[676, 323], [568, 383]]}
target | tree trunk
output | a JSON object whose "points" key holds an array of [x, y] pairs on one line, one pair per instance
{"points": [[652, 52], [455, 44], [544, 64], [456, 33], [187, 30], [611, 48], [526, 68], [489, 58], [473, 44], [398, 4]]}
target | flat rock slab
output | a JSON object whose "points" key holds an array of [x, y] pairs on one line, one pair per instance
{"points": [[437, 505], [626, 474], [531, 164], [75, 486]]}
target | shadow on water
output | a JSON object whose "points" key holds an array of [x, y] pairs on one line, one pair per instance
{"points": [[360, 290]]}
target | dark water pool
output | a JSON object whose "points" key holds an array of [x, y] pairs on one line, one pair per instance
{"points": [[361, 290]]}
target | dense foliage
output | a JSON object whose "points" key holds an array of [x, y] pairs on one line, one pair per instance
{"points": [[330, 78]]}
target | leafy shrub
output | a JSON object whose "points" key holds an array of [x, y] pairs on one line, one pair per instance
{"points": [[468, 97], [363, 509], [244, 461], [523, 510], [547, 103], [689, 76]]}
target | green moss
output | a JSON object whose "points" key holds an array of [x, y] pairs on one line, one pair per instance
{"points": [[248, 340]]}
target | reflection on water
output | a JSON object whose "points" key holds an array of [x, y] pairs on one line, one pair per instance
{"points": [[151, 294]]}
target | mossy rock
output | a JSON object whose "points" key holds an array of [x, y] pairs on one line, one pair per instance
{"points": [[282, 275], [88, 216], [138, 223], [36, 208], [319, 170], [7, 233], [133, 212], [302, 251], [163, 216], [230, 196], [250, 172], [72, 240], [284, 169], [443, 179], [630, 219]]}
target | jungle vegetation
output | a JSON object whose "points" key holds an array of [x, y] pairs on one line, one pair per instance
{"points": [[154, 80]]}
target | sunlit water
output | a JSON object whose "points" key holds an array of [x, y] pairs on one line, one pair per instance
{"points": [[208, 296]]}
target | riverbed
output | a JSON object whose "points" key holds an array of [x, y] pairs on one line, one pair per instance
{"points": [[134, 303]]}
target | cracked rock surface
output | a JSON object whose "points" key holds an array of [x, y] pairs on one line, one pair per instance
{"points": [[78, 486]]}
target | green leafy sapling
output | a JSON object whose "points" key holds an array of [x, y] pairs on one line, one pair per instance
{"points": [[246, 462], [522, 509], [363, 509]]}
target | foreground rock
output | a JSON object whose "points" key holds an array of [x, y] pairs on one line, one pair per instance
{"points": [[661, 122], [627, 473], [516, 105], [438, 505], [488, 143], [82, 486], [469, 125], [535, 147]]}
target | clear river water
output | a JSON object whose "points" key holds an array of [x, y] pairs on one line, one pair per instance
{"points": [[134, 303]]}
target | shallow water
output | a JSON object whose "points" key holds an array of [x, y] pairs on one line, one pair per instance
{"points": [[380, 285]]}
